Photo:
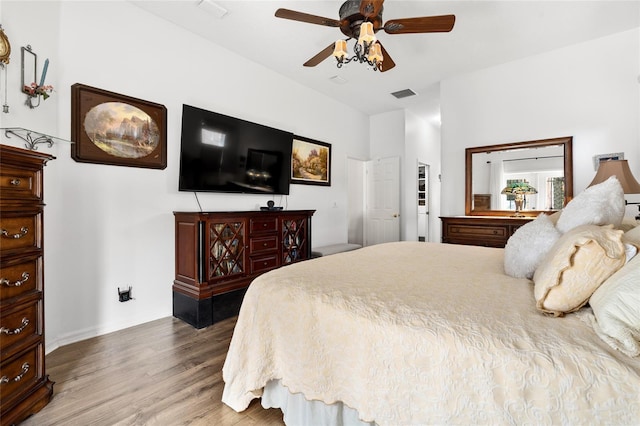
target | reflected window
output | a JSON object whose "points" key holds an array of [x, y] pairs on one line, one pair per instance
{"points": [[213, 138]]}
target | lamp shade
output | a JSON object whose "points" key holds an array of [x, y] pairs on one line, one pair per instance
{"points": [[619, 169], [366, 33], [519, 188], [340, 49], [375, 53]]}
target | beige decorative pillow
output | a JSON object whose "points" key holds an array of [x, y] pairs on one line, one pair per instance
{"points": [[575, 266], [632, 236], [628, 223], [616, 307]]}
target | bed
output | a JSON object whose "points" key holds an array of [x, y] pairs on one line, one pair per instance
{"points": [[413, 333]]}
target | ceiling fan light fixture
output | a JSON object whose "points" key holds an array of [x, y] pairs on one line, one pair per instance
{"points": [[375, 54], [340, 50], [367, 36]]}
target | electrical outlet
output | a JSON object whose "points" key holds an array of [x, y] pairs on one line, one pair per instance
{"points": [[124, 295]]}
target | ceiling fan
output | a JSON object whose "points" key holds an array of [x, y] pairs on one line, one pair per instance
{"points": [[361, 19]]}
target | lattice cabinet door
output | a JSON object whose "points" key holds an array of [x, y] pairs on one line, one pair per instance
{"points": [[227, 249], [294, 239]]}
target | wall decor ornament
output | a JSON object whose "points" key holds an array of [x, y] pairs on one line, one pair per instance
{"points": [[5, 47], [30, 87], [310, 162], [110, 128]]}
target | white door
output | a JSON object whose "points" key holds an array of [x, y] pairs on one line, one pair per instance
{"points": [[383, 201]]}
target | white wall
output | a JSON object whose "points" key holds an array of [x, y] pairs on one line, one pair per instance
{"points": [[109, 226], [589, 91]]}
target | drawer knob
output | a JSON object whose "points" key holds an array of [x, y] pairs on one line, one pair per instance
{"points": [[23, 231], [266, 263], [25, 368], [264, 244], [6, 282], [264, 225], [15, 182], [8, 332]]}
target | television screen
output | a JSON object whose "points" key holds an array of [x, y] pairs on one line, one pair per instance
{"points": [[225, 154]]}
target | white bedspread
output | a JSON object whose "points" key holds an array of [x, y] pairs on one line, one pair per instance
{"points": [[421, 333]]}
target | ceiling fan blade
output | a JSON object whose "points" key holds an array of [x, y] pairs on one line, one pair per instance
{"points": [[370, 8], [305, 17], [321, 56], [387, 62], [426, 24]]}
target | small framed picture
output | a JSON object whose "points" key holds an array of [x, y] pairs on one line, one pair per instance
{"points": [[310, 162], [604, 157], [109, 128]]}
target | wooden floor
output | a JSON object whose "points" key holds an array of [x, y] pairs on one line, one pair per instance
{"points": [[161, 373]]}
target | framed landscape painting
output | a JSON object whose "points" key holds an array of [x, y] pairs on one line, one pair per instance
{"points": [[310, 162], [109, 128]]}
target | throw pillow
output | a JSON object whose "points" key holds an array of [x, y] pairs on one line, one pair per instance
{"points": [[527, 246], [575, 266], [600, 204], [616, 308], [632, 236]]}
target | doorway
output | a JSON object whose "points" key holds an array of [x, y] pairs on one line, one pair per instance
{"points": [[423, 202]]}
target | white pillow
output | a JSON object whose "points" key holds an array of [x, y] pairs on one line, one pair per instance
{"points": [[616, 307], [527, 246], [601, 204]]}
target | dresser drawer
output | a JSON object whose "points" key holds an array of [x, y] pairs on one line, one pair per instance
{"points": [[20, 232], [19, 373], [262, 244], [20, 277], [263, 263], [478, 231], [18, 326], [20, 184], [259, 225]]}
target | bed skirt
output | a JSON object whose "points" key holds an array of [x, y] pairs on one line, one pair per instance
{"points": [[299, 411]]}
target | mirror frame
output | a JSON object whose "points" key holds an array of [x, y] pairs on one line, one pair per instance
{"points": [[567, 143]]}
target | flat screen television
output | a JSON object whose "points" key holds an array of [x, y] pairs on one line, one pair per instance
{"points": [[219, 153]]}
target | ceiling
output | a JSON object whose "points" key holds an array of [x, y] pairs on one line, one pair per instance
{"points": [[486, 33]]}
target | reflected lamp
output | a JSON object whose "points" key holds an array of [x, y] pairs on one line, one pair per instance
{"points": [[519, 190]]}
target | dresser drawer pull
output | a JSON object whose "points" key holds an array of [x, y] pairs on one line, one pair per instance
{"points": [[23, 232], [6, 282], [25, 368], [5, 330], [264, 244], [15, 182]]}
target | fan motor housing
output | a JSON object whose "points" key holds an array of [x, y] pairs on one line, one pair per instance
{"points": [[351, 19]]}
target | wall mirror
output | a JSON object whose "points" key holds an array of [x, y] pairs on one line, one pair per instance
{"points": [[29, 68], [546, 165]]}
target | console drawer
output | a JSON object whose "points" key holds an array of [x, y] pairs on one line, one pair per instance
{"points": [[263, 263], [263, 244], [261, 225]]}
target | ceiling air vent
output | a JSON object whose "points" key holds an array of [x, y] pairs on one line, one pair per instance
{"points": [[404, 93]]}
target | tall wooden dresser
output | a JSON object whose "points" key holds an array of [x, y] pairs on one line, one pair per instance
{"points": [[24, 385]]}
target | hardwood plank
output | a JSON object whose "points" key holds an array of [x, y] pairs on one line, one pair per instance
{"points": [[164, 372]]}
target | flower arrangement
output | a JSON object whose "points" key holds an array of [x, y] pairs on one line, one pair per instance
{"points": [[34, 90]]}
